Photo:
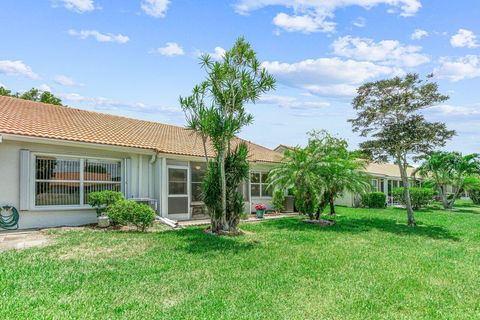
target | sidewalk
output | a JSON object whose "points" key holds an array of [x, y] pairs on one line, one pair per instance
{"points": [[21, 239]]}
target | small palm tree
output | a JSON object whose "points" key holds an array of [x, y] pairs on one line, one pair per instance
{"points": [[449, 169]]}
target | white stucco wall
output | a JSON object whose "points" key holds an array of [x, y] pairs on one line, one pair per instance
{"points": [[144, 180]]}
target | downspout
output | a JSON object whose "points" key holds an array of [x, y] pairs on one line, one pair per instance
{"points": [[151, 185]]}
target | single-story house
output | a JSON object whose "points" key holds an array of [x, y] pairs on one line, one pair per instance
{"points": [[385, 178], [52, 157]]}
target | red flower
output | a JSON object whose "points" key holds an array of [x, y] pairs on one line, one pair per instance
{"points": [[260, 206]]}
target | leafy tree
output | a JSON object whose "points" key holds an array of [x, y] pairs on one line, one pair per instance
{"points": [[338, 168], [449, 169], [472, 186], [236, 79], [388, 112], [33, 95]]}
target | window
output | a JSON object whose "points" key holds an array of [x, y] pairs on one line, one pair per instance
{"points": [[374, 185], [258, 185], [177, 181], [198, 170], [65, 181]]}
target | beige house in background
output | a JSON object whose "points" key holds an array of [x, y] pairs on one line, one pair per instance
{"points": [[385, 178], [52, 157]]}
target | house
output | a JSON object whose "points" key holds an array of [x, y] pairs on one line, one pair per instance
{"points": [[52, 157], [385, 178]]}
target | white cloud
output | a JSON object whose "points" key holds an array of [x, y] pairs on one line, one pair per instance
{"points": [[327, 76], [100, 37], [388, 52], [106, 104], [66, 81], [18, 68], [170, 49], [44, 87], [79, 6], [292, 102], [418, 34], [452, 110], [217, 53], [461, 68], [464, 39], [316, 15], [155, 8], [360, 22], [4, 86]]}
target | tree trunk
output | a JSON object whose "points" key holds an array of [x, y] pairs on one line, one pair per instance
{"points": [[223, 183], [406, 191], [443, 195], [332, 206]]}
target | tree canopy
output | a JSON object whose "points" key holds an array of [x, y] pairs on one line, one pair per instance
{"points": [[389, 117], [33, 94]]}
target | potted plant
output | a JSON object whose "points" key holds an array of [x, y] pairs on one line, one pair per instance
{"points": [[260, 208]]}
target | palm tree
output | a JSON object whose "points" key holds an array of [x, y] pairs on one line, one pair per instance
{"points": [[449, 169], [297, 173]]}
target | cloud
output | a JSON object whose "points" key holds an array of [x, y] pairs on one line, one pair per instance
{"points": [[155, 8], [360, 22], [452, 110], [106, 104], [100, 37], [292, 102], [65, 81], [171, 49], [327, 76], [217, 53], [17, 68], [418, 34], [464, 39], [44, 87], [79, 6], [388, 52], [316, 15], [457, 69]]}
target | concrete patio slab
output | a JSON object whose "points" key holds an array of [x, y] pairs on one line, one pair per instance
{"points": [[21, 239]]}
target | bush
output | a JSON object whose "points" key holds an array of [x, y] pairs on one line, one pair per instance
{"points": [[420, 197], [278, 200], [474, 196], [126, 212], [101, 200], [374, 200]]}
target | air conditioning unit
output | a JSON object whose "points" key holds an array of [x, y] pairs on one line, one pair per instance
{"points": [[152, 203]]}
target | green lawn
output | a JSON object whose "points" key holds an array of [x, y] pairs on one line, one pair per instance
{"points": [[368, 266]]}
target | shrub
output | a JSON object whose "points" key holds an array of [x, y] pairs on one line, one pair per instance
{"points": [[101, 200], [278, 200], [126, 212], [374, 200], [474, 196], [420, 197]]}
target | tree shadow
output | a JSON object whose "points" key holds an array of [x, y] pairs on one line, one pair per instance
{"points": [[359, 225], [196, 241]]}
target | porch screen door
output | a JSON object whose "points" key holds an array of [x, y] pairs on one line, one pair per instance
{"points": [[178, 199]]}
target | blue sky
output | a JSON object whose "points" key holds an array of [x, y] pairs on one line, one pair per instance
{"points": [[135, 58]]}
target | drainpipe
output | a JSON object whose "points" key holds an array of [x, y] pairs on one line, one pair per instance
{"points": [[151, 185]]}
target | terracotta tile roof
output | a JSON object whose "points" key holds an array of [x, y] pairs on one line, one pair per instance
{"points": [[28, 118]]}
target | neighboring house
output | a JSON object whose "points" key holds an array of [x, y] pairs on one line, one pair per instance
{"points": [[385, 178], [52, 157]]}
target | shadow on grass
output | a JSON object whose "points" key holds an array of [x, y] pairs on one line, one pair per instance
{"points": [[359, 225], [199, 242]]}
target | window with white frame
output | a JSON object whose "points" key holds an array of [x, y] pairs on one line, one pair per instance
{"points": [[67, 181], [258, 185]]}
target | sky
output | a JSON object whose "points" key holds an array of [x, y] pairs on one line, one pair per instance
{"points": [[135, 58]]}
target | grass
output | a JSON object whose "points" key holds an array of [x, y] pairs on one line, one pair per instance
{"points": [[368, 266]]}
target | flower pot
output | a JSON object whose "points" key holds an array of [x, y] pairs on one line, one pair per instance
{"points": [[260, 214], [103, 222]]}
